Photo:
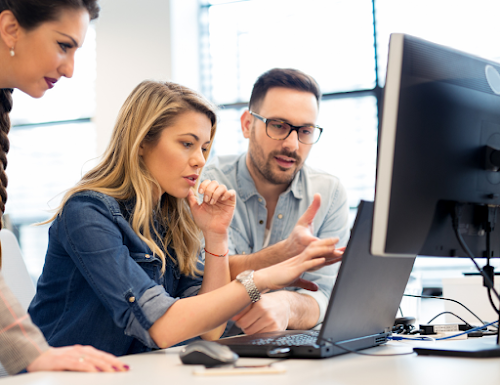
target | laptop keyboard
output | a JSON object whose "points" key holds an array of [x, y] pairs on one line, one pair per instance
{"points": [[289, 340]]}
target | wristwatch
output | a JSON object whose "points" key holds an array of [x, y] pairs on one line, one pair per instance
{"points": [[246, 279]]}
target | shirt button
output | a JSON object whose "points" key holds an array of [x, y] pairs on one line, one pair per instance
{"points": [[243, 253], [260, 200], [261, 222], [148, 256], [131, 299], [280, 216]]}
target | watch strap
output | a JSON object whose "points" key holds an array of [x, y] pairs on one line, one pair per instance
{"points": [[250, 287]]}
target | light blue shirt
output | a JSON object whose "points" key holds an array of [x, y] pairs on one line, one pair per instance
{"points": [[247, 230]]}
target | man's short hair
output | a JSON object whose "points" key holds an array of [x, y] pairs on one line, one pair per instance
{"points": [[285, 78]]}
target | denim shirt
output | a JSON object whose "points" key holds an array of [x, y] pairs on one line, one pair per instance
{"points": [[101, 284], [247, 230]]}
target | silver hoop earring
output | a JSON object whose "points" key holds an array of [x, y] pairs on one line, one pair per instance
{"points": [[12, 53]]}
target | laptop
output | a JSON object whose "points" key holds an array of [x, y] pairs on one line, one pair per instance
{"points": [[362, 308]]}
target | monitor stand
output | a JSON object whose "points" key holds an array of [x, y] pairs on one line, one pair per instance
{"points": [[477, 348]]}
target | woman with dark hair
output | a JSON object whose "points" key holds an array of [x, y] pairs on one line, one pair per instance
{"points": [[38, 40]]}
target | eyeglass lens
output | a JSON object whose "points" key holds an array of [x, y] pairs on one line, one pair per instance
{"points": [[280, 130]]}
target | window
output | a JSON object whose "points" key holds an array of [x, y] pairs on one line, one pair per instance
{"points": [[344, 45]]}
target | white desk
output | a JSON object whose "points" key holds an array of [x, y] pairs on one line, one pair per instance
{"points": [[164, 367]]}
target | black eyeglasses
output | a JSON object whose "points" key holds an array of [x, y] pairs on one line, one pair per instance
{"points": [[280, 130]]}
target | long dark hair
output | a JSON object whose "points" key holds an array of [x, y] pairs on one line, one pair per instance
{"points": [[30, 14]]}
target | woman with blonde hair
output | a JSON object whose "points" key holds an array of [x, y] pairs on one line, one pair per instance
{"points": [[123, 270]]}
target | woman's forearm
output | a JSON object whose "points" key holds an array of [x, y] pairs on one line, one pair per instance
{"points": [[216, 272], [216, 275], [194, 316]]}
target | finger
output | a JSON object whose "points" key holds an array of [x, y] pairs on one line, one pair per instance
{"points": [[305, 284], [192, 201], [209, 191], [307, 218], [218, 193], [318, 248], [342, 249], [73, 362], [229, 195], [102, 361], [203, 185]]}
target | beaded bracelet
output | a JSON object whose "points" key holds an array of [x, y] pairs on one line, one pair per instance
{"points": [[216, 255]]}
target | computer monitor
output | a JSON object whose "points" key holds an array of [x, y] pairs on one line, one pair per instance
{"points": [[441, 111], [437, 190]]}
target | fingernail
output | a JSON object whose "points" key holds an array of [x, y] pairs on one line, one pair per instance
{"points": [[126, 367], [201, 191], [212, 201], [207, 198], [115, 368], [99, 369]]}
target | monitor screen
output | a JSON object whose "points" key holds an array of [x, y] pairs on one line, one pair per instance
{"points": [[439, 141]]}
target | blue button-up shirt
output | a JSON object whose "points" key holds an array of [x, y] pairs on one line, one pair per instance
{"points": [[101, 284], [247, 230]]}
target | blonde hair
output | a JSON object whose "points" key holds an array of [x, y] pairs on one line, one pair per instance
{"points": [[151, 107]]}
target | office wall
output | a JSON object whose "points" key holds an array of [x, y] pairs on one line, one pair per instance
{"points": [[133, 44]]}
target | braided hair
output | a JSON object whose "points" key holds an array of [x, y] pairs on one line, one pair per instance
{"points": [[30, 14], [5, 107]]}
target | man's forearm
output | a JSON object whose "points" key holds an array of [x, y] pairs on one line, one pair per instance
{"points": [[264, 258], [304, 311]]}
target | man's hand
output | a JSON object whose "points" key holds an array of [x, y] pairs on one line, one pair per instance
{"points": [[269, 314], [279, 310], [302, 236], [299, 239]]}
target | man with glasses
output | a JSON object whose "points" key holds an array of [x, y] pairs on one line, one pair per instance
{"points": [[282, 205]]}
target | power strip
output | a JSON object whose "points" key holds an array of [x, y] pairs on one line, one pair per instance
{"points": [[450, 334], [442, 328]]}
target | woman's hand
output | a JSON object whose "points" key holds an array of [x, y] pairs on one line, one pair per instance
{"points": [[214, 214], [77, 358], [288, 273]]}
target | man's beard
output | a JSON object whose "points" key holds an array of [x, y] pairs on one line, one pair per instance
{"points": [[264, 169]]}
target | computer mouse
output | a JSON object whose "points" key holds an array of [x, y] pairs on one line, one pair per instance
{"points": [[207, 353]]}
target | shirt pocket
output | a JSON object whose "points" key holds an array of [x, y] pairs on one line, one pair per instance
{"points": [[240, 243], [150, 264]]}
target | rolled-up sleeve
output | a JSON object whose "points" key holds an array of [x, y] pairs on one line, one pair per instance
{"points": [[146, 311]]}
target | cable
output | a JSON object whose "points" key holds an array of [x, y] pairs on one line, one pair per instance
{"points": [[446, 299], [456, 223], [492, 303], [418, 338], [466, 332], [449, 312]]}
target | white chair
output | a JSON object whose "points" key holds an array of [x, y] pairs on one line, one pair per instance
{"points": [[15, 273], [14, 269]]}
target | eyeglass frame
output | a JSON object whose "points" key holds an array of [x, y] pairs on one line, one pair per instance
{"points": [[292, 128]]}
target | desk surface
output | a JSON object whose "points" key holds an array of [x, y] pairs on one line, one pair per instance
{"points": [[165, 367]]}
